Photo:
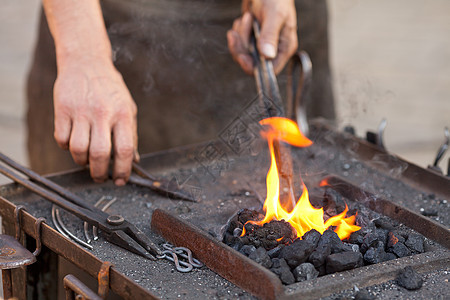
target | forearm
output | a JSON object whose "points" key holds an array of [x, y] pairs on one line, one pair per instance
{"points": [[78, 29]]}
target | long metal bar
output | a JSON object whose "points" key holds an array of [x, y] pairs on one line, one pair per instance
{"points": [[81, 212], [217, 256], [267, 85], [45, 182]]}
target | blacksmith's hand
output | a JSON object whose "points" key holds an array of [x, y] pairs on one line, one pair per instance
{"points": [[95, 114], [278, 35]]}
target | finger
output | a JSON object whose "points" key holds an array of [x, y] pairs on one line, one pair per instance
{"points": [[245, 29], [63, 126], [240, 56], [286, 48], [124, 151], [100, 151], [269, 35], [238, 40], [79, 141]]}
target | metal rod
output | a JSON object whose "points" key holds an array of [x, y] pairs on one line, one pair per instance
{"points": [[44, 181], [81, 212], [56, 217], [74, 285]]}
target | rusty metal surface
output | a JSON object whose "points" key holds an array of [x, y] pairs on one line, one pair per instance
{"points": [[79, 256], [217, 256], [7, 283], [253, 278], [225, 179], [424, 225], [75, 287], [366, 276], [103, 279], [420, 178], [13, 254]]}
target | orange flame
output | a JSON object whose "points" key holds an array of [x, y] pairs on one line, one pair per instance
{"points": [[304, 216]]}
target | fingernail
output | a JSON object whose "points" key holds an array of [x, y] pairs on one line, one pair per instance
{"points": [[246, 17], [268, 50], [119, 182]]}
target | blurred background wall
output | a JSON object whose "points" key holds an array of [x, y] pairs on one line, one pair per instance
{"points": [[390, 59]]}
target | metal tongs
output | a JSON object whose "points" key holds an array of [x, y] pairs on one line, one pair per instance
{"points": [[115, 228], [267, 85]]}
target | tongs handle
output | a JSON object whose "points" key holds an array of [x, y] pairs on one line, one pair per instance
{"points": [[85, 212], [266, 81], [47, 183], [298, 89]]}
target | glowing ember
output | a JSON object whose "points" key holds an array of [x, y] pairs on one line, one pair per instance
{"points": [[304, 216]]}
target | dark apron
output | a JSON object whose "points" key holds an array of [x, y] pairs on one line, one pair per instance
{"points": [[174, 59]]}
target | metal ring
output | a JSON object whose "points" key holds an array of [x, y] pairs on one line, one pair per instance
{"points": [[37, 231], [178, 264], [194, 262], [17, 211]]}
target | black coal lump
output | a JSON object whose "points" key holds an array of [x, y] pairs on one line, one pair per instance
{"points": [[305, 271], [375, 255], [400, 250], [343, 261], [356, 237], [297, 252], [247, 249], [275, 252], [409, 279], [281, 268], [384, 223], [389, 256], [331, 237], [382, 234], [415, 243], [312, 236], [323, 249], [261, 257], [370, 239]]}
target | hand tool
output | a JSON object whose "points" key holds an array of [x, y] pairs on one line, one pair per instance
{"points": [[267, 85], [115, 228], [161, 186]]}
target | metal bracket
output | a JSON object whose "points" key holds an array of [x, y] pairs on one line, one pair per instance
{"points": [[75, 289], [441, 151], [103, 279], [17, 211], [377, 138]]}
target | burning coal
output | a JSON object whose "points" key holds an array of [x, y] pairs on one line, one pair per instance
{"points": [[300, 241], [303, 217]]}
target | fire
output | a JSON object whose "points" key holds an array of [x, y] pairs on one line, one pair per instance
{"points": [[303, 217]]}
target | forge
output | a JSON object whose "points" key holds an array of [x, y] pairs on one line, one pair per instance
{"points": [[227, 177]]}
